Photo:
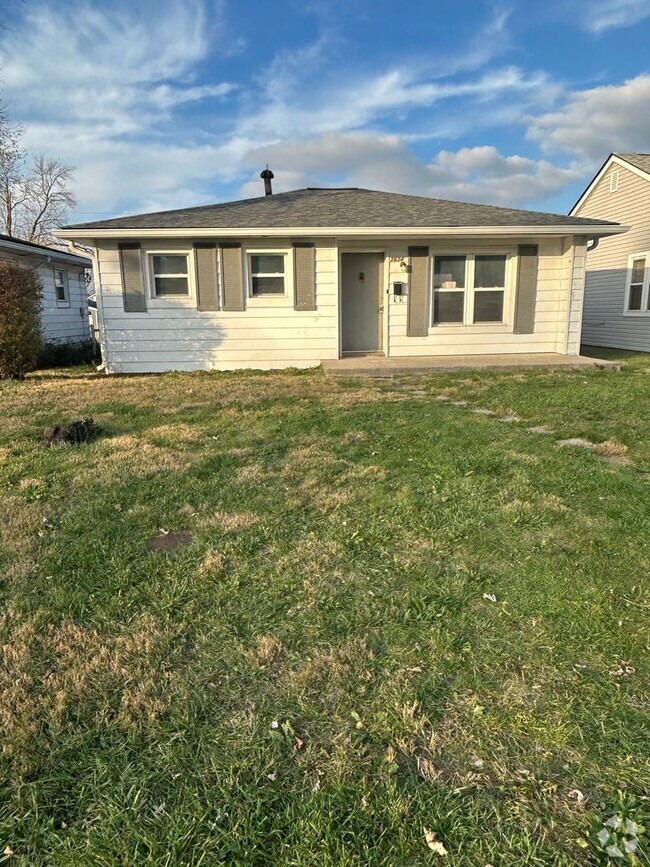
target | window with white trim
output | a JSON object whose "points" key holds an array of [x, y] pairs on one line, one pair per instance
{"points": [[637, 290], [469, 288], [61, 284], [169, 274], [266, 274]]}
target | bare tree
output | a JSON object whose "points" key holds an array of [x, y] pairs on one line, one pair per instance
{"points": [[47, 199], [12, 161]]}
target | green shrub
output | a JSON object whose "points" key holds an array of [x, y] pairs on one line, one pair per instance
{"points": [[20, 322], [68, 354]]}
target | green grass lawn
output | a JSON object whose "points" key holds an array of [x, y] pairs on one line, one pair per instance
{"points": [[393, 615]]}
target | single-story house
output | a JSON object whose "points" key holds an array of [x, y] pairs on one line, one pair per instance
{"points": [[617, 290], [297, 278], [64, 312]]}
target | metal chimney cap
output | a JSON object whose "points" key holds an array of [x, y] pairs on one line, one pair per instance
{"points": [[267, 173]]}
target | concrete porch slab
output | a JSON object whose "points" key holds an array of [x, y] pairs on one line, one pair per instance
{"points": [[373, 365]]}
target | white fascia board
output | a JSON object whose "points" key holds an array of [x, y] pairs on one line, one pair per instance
{"points": [[595, 231]]}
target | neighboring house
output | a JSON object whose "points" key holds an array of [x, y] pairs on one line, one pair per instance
{"points": [[617, 298], [293, 279], [64, 312]]}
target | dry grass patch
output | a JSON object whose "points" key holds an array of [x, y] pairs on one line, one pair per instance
{"points": [[132, 456], [212, 563], [251, 474], [230, 522], [55, 674], [610, 449]]}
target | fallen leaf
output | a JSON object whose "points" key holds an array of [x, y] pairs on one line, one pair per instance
{"points": [[490, 597], [433, 843]]}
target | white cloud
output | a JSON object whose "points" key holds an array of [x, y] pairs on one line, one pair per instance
{"points": [[597, 16], [478, 174], [114, 102], [592, 123]]}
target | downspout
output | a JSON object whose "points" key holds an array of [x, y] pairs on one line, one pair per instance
{"points": [[591, 245]]}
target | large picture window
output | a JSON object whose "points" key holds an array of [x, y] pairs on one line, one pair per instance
{"points": [[469, 289], [637, 295]]}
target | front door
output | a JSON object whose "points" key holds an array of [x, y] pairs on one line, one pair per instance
{"points": [[361, 302]]}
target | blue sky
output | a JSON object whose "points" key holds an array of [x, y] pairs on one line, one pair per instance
{"points": [[169, 104]]}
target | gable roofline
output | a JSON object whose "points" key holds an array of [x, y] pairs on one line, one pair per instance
{"points": [[613, 159], [29, 248]]}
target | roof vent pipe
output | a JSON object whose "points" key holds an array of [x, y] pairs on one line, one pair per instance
{"points": [[267, 176]]}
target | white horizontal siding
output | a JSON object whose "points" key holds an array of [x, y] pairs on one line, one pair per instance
{"points": [[604, 323], [174, 335], [61, 322], [551, 310]]}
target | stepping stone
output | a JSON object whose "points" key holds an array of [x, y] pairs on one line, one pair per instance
{"points": [[576, 441], [509, 418], [459, 403], [540, 429], [482, 412], [617, 460]]}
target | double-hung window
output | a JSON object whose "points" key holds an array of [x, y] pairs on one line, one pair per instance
{"points": [[266, 274], [169, 274], [469, 289], [61, 284], [637, 295]]}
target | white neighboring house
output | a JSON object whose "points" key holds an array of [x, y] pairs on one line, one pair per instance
{"points": [[616, 311], [312, 275], [64, 313]]}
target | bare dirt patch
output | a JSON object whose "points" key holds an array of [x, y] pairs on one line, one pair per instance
{"points": [[167, 543]]}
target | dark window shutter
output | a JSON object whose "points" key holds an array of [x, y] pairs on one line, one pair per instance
{"points": [[132, 278], [232, 278], [205, 256], [526, 289], [418, 293], [304, 274]]}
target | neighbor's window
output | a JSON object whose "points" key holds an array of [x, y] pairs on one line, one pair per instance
{"points": [[266, 274], [469, 289], [170, 274], [60, 284], [638, 294]]}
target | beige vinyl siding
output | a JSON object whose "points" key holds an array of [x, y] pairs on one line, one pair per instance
{"points": [[559, 286], [174, 335], [604, 323], [61, 322]]}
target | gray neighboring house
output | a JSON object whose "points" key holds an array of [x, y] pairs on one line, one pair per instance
{"points": [[312, 275], [616, 310], [64, 313]]}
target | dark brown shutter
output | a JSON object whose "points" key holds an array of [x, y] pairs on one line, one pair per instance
{"points": [[526, 289], [232, 278], [205, 256], [132, 278], [304, 275], [418, 293]]}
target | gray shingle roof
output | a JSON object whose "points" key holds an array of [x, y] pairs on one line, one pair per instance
{"points": [[640, 161], [348, 207]]}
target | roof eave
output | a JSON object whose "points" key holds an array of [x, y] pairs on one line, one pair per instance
{"points": [[591, 231], [46, 253]]}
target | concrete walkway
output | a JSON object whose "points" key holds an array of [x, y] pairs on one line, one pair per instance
{"points": [[376, 365]]}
